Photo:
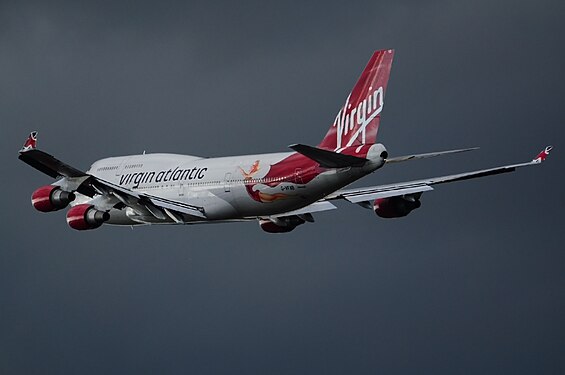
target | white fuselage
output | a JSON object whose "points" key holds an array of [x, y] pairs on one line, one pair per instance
{"points": [[227, 188]]}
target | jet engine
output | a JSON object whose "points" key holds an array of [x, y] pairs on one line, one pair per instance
{"points": [[281, 224], [85, 216], [51, 198], [399, 206]]}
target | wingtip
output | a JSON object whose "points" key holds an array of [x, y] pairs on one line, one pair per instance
{"points": [[30, 143], [543, 155]]}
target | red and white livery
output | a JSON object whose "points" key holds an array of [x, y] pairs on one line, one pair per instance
{"points": [[279, 190]]}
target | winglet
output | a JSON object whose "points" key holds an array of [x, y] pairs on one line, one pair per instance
{"points": [[542, 155], [30, 143]]}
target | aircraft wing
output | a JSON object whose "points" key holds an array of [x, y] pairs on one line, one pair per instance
{"points": [[48, 164], [418, 186], [108, 195]]}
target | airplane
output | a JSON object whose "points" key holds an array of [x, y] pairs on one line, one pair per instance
{"points": [[280, 191]]}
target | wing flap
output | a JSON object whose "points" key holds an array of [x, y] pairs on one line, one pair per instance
{"points": [[177, 206]]}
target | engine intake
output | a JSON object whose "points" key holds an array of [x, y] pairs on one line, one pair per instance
{"points": [[399, 206], [85, 217], [51, 198]]}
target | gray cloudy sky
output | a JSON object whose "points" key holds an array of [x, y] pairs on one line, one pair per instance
{"points": [[473, 282]]}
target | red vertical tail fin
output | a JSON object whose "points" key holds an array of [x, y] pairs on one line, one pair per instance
{"points": [[358, 120]]}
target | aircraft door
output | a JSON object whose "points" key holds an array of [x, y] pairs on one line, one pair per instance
{"points": [[227, 182], [120, 167], [298, 176]]}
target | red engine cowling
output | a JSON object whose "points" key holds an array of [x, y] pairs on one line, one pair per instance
{"points": [[396, 206], [281, 225], [85, 216], [51, 198]]}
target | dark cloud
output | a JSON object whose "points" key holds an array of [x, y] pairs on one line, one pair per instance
{"points": [[471, 282]]}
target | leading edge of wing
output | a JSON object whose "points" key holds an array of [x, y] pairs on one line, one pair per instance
{"points": [[410, 187]]}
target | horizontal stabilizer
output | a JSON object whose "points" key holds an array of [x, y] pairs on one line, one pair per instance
{"points": [[328, 159], [427, 155]]}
